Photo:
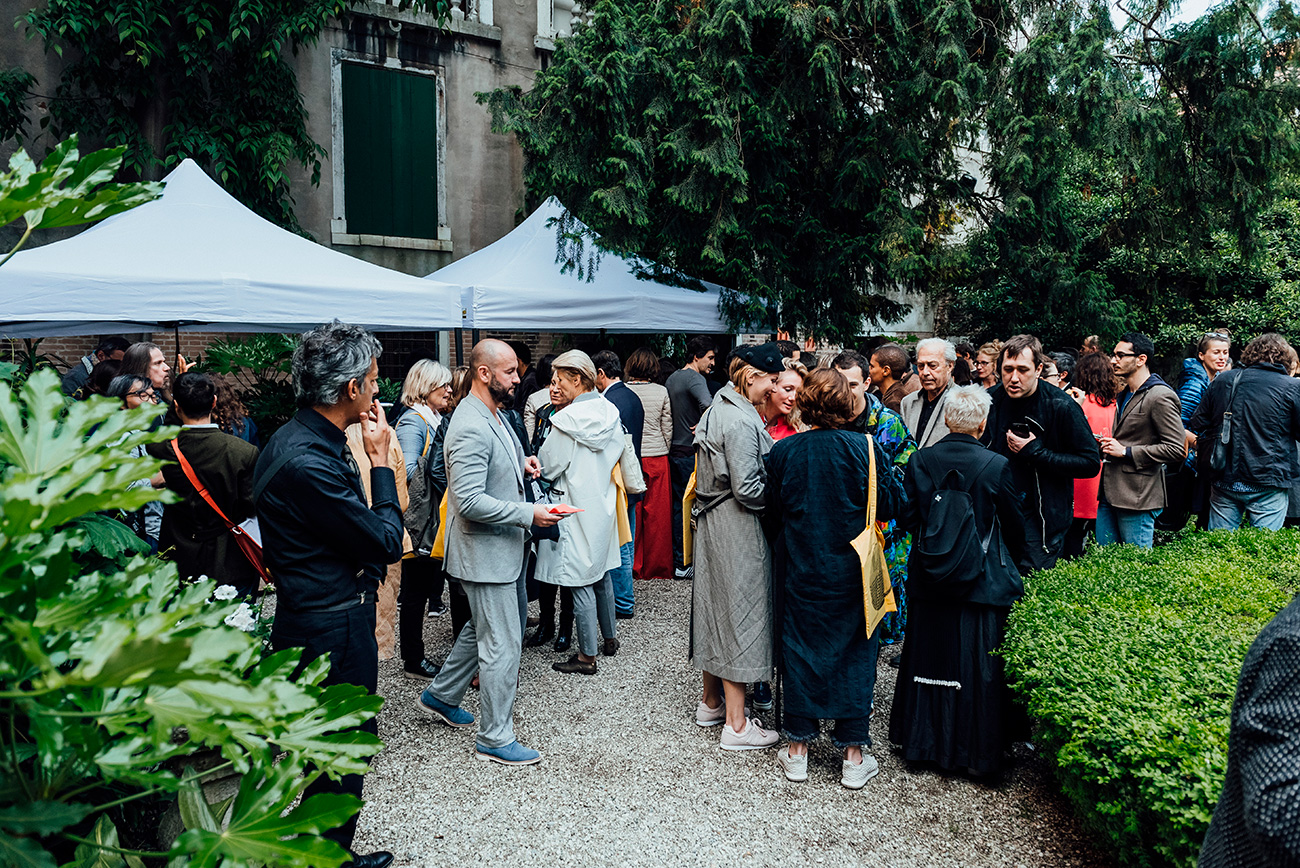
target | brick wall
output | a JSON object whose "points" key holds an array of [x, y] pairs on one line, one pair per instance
{"points": [[71, 349]]}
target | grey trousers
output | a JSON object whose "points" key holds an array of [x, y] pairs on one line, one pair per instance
{"points": [[489, 645], [592, 605]]}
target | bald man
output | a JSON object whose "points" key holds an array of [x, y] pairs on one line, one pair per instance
{"points": [[488, 517]]}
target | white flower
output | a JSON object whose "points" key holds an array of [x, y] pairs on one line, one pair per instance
{"points": [[242, 618], [225, 592]]}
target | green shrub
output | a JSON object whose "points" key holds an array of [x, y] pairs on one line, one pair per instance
{"points": [[114, 677], [1128, 663]]}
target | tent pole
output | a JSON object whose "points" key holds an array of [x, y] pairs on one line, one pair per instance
{"points": [[460, 347], [474, 338]]}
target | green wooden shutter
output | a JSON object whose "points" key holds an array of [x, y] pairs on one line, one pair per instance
{"points": [[390, 152]]}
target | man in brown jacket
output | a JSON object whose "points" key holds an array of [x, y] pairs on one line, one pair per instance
{"points": [[1148, 434]]}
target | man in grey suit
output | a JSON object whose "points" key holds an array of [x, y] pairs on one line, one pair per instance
{"points": [[922, 411], [488, 517]]}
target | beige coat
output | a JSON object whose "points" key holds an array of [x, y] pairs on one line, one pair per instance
{"points": [[911, 414], [386, 598], [657, 435]]}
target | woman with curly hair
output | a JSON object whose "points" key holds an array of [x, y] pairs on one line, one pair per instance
{"points": [[230, 414]]}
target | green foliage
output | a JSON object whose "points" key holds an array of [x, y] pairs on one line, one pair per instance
{"points": [[259, 367], [1128, 662], [390, 390], [113, 674], [806, 154], [1135, 179], [14, 84], [67, 189], [192, 78]]}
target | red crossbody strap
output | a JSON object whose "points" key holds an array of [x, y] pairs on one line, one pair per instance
{"points": [[198, 486]]}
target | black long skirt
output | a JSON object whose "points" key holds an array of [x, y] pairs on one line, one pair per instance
{"points": [[951, 703]]}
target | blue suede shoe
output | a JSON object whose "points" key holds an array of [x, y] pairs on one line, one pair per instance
{"points": [[513, 754], [449, 714]]}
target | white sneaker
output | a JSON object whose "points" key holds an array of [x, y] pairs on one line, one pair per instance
{"points": [[705, 716], [855, 775], [752, 737], [795, 767]]}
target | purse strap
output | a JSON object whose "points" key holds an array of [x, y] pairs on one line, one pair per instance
{"points": [[1225, 430], [198, 486], [871, 483]]}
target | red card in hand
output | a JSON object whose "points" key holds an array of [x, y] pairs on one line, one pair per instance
{"points": [[563, 509]]}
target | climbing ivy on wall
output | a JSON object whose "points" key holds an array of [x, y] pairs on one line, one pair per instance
{"points": [[209, 79]]}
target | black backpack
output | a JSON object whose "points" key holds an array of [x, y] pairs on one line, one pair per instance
{"points": [[948, 550]]}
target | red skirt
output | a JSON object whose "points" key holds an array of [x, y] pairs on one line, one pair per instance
{"points": [[654, 522]]}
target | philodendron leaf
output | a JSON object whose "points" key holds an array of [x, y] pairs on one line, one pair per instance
{"points": [[260, 833], [194, 808], [108, 537], [41, 818], [94, 855], [68, 189], [23, 853]]}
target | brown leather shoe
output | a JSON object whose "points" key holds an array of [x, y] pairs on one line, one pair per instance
{"points": [[574, 666]]}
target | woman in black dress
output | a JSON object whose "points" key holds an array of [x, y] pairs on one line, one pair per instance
{"points": [[818, 488], [951, 703]]}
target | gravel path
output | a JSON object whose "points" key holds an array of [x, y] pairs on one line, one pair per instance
{"points": [[628, 779]]}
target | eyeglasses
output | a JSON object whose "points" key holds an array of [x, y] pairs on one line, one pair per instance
{"points": [[145, 394], [1119, 355]]}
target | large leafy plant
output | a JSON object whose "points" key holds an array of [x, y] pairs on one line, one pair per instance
{"points": [[259, 368], [114, 676], [66, 189]]}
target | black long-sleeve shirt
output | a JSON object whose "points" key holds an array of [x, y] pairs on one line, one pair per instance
{"points": [[321, 542]]}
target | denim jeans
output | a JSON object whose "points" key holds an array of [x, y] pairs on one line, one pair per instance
{"points": [[621, 576], [849, 732], [1266, 509], [1134, 526]]}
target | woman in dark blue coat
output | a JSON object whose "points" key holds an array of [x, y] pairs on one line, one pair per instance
{"points": [[818, 489], [951, 703]]}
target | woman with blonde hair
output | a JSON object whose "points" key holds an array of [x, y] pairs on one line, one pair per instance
{"points": [[426, 392], [731, 598], [578, 458], [986, 364], [781, 410]]}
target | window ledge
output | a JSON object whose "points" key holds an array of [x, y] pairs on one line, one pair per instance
{"points": [[347, 239], [544, 43], [424, 19]]}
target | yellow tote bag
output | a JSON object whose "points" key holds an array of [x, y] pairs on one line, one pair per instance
{"points": [[877, 592], [620, 507], [688, 523], [440, 541]]}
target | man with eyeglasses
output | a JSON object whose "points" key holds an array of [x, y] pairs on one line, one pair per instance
{"points": [[1045, 436], [1147, 435]]}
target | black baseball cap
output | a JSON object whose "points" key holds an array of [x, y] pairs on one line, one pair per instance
{"points": [[766, 357]]}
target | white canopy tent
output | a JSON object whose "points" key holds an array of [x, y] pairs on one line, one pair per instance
{"points": [[516, 283], [197, 259]]}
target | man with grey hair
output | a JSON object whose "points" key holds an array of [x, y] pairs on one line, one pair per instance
{"points": [[488, 517], [923, 411], [327, 550]]}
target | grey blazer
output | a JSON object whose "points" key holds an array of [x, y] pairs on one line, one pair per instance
{"points": [[911, 412], [487, 514]]}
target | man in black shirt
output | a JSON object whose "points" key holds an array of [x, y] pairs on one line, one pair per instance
{"points": [[325, 548], [1045, 435]]}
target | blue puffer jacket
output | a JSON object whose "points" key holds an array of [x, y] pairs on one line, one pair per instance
{"points": [[1192, 388]]}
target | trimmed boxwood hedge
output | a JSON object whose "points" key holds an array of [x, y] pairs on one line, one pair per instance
{"points": [[1127, 661]]}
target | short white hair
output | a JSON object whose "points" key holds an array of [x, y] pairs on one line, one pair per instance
{"points": [[949, 351], [966, 409]]}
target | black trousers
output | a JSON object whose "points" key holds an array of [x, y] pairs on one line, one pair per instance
{"points": [[348, 636], [422, 581], [459, 605], [546, 602], [682, 466]]}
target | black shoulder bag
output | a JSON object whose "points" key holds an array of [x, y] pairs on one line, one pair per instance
{"points": [[1223, 444]]}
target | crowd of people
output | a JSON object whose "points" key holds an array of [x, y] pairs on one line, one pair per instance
{"points": [[504, 481]]}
